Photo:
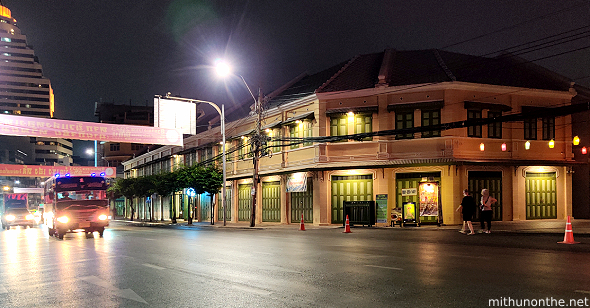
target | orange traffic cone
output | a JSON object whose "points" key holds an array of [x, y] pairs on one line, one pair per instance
{"points": [[347, 226], [302, 225], [568, 238]]}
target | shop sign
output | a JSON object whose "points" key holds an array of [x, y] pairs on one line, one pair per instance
{"points": [[428, 199], [381, 202], [409, 191], [297, 182], [409, 212]]}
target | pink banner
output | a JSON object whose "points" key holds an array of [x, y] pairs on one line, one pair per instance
{"points": [[13, 125], [49, 171]]}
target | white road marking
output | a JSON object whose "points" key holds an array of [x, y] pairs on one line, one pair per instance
{"points": [[386, 267], [124, 293], [3, 289], [251, 290], [153, 266], [264, 253], [577, 291], [267, 267]]}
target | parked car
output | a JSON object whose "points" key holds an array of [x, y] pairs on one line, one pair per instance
{"points": [[17, 217]]}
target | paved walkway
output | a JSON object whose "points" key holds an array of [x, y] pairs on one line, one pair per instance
{"points": [[579, 226]]}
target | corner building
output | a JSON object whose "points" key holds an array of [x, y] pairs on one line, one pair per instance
{"points": [[394, 90]]}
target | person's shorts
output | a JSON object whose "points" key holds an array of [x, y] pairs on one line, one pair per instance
{"points": [[467, 216]]}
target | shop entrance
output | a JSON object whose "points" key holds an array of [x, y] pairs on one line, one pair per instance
{"points": [[408, 189], [205, 202], [349, 188], [244, 202], [302, 203], [541, 195], [492, 180], [228, 204], [271, 201]]}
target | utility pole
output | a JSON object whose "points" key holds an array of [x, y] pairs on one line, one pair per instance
{"points": [[256, 145]]}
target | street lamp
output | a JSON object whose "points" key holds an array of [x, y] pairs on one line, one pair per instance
{"points": [[89, 151], [222, 116], [224, 69]]}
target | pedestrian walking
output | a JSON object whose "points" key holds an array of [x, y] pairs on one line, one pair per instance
{"points": [[467, 208], [486, 210]]}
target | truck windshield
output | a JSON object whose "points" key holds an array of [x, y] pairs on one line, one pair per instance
{"points": [[81, 204], [82, 195]]}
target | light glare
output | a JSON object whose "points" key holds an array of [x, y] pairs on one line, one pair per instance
{"points": [[222, 68]]}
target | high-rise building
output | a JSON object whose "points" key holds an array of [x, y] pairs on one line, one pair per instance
{"points": [[25, 91], [113, 153]]}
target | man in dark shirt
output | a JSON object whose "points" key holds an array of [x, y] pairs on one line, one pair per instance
{"points": [[467, 208]]}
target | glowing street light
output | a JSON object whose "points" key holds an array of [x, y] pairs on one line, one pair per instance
{"points": [[224, 69]]}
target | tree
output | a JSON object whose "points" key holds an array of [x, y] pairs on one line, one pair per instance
{"points": [[126, 187], [165, 185], [211, 181], [114, 193], [145, 187]]}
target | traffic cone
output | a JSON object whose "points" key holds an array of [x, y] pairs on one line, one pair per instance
{"points": [[302, 225], [347, 226], [568, 238]]}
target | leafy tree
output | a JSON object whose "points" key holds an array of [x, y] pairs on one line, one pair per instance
{"points": [[145, 187], [113, 193], [211, 181], [126, 187], [165, 185]]}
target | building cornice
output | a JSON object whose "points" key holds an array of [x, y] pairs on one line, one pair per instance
{"points": [[450, 85]]}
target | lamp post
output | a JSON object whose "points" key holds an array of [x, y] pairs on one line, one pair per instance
{"points": [[222, 116], [223, 69]]}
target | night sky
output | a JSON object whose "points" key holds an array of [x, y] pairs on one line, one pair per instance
{"points": [[129, 51]]}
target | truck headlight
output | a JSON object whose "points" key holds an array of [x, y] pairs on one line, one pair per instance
{"points": [[102, 217], [63, 219], [29, 217], [10, 217]]}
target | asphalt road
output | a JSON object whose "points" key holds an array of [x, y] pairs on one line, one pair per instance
{"points": [[214, 267]]}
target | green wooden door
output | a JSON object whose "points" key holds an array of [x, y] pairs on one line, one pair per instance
{"points": [[228, 204], [541, 196], [271, 201], [412, 180], [205, 201], [492, 180], [349, 188], [244, 202], [302, 203]]}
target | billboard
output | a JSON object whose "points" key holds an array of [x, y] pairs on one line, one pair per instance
{"points": [[175, 114], [14, 125]]}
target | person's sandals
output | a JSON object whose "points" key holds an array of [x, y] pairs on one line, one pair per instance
{"points": [[472, 233], [461, 231]]}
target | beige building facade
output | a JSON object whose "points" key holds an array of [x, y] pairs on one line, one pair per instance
{"points": [[405, 163]]}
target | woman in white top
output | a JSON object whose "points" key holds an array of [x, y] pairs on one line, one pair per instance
{"points": [[485, 215]]}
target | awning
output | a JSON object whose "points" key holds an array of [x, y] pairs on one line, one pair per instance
{"points": [[307, 115], [271, 125]]}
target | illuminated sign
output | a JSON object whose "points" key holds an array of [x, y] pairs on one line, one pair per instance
{"points": [[297, 182], [175, 114]]}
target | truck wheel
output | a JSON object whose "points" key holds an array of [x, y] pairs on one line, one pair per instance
{"points": [[100, 231], [60, 235], [89, 234], [7, 227]]}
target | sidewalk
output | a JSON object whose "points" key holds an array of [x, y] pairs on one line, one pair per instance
{"points": [[579, 226]]}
